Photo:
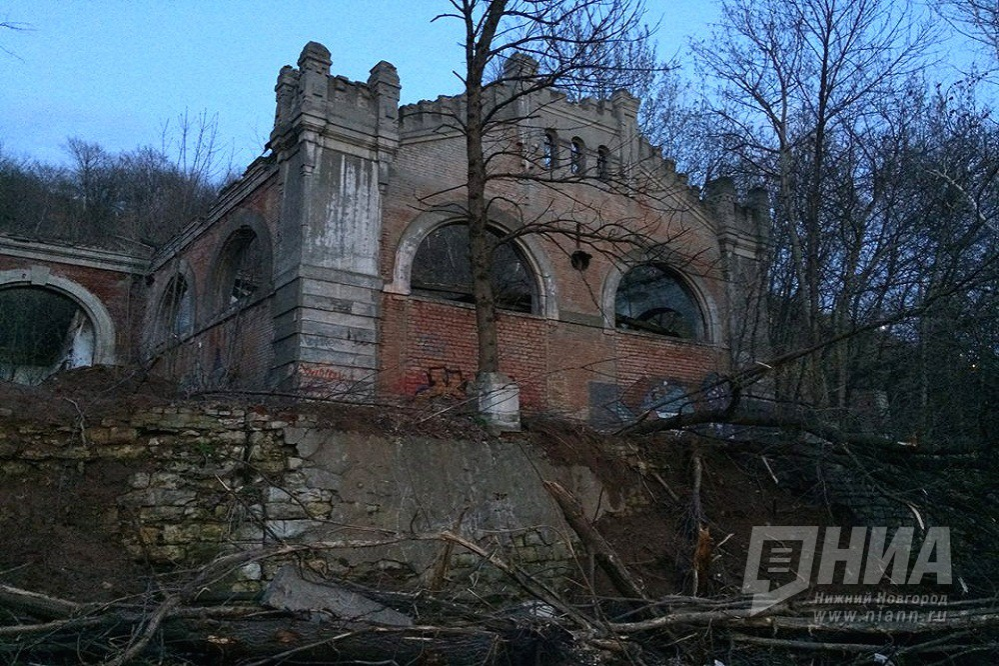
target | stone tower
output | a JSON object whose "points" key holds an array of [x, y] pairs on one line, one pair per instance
{"points": [[333, 141]]}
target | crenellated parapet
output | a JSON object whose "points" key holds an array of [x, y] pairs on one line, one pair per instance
{"points": [[607, 129], [312, 103], [438, 116], [743, 230], [334, 142], [744, 225]]}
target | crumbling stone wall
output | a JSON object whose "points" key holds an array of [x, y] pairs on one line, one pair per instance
{"points": [[207, 480]]}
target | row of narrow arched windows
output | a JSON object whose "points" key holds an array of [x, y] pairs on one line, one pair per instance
{"points": [[550, 158], [651, 297], [239, 273]]}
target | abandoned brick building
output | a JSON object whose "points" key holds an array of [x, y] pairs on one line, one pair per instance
{"points": [[333, 265]]}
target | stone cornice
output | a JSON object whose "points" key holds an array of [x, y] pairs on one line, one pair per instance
{"points": [[73, 255]]}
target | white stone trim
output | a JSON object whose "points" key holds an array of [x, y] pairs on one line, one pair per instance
{"points": [[75, 255], [41, 276]]}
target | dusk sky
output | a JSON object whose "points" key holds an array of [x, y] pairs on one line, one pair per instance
{"points": [[113, 72]]}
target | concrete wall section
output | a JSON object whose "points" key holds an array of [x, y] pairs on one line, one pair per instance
{"points": [[334, 140]]}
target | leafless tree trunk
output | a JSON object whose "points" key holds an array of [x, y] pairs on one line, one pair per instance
{"points": [[569, 39]]}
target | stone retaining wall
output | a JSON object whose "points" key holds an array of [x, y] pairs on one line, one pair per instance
{"points": [[201, 481]]}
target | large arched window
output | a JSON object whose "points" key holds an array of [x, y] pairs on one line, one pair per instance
{"points": [[42, 332], [176, 313], [242, 270], [442, 269], [652, 298]]}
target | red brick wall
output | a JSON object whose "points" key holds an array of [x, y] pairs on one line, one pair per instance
{"points": [[430, 347], [225, 348], [233, 353]]}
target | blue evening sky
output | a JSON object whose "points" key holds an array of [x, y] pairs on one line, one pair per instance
{"points": [[114, 71]]}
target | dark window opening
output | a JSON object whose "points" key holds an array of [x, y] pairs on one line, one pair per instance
{"points": [[177, 309], [577, 164], [603, 163], [442, 269], [242, 273], [549, 156], [41, 333], [651, 298]]}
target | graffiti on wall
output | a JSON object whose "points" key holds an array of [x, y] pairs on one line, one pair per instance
{"points": [[654, 397], [443, 382]]}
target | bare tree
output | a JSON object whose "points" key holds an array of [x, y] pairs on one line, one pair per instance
{"points": [[16, 26], [977, 19], [144, 195], [582, 47], [806, 86]]}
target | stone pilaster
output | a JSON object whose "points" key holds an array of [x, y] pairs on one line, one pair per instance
{"points": [[334, 140]]}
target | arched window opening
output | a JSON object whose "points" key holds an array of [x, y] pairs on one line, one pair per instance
{"points": [[177, 309], [577, 163], [651, 298], [41, 333], [603, 163], [549, 156], [442, 269], [242, 273]]}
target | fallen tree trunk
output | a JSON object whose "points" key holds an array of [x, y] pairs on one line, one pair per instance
{"points": [[595, 543]]}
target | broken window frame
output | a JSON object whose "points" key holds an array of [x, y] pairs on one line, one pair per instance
{"points": [[241, 270], [664, 301], [521, 293]]}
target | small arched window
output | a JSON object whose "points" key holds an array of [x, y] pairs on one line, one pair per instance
{"points": [[652, 298], [549, 154], [242, 270], [577, 157], [176, 313], [603, 163], [442, 269]]}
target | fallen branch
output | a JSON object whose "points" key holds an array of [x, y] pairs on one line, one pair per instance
{"points": [[596, 544]]}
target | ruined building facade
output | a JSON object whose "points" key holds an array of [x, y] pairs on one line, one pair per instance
{"points": [[335, 265]]}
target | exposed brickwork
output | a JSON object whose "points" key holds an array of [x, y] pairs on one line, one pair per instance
{"points": [[227, 346], [429, 337], [553, 363]]}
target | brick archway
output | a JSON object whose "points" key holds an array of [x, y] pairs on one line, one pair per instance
{"points": [[42, 277], [696, 291]]}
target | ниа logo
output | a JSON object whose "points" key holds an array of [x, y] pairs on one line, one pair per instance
{"points": [[784, 555]]}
